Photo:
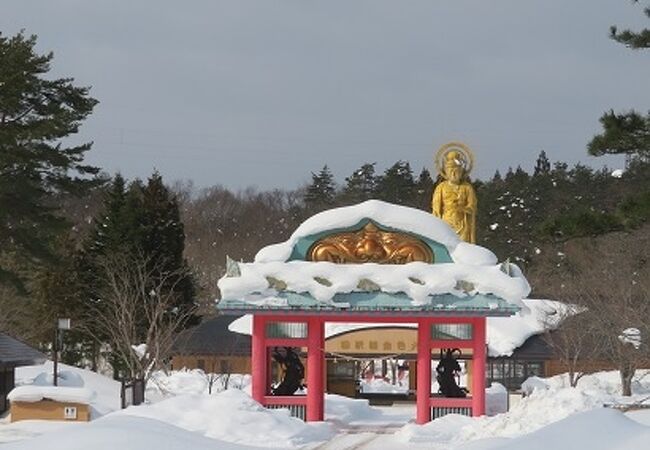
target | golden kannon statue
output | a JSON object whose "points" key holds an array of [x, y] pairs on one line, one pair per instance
{"points": [[370, 244], [454, 199]]}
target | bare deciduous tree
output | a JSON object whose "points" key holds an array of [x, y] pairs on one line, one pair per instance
{"points": [[136, 313], [573, 341]]}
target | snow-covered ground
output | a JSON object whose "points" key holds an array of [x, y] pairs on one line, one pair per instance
{"points": [[181, 415]]}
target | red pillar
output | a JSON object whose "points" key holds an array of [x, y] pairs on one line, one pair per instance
{"points": [[479, 362], [315, 360], [259, 367], [423, 387]]}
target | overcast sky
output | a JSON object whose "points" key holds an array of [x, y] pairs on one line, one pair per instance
{"points": [[261, 93]]}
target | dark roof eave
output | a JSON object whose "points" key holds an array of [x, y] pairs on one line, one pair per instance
{"points": [[397, 312]]}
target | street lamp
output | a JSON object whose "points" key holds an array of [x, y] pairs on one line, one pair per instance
{"points": [[62, 325]]}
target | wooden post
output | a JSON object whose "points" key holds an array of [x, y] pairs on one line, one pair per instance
{"points": [[478, 368], [258, 359], [423, 391], [315, 366]]}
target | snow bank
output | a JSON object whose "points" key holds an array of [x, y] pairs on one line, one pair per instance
{"points": [[234, 417], [192, 382], [597, 429], [551, 400], [126, 433], [34, 394]]}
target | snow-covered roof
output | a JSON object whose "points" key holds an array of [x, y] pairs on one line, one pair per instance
{"points": [[34, 393], [470, 273]]}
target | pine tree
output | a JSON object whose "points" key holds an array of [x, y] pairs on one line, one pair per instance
{"points": [[163, 236], [625, 133], [36, 113], [361, 185], [543, 165], [322, 190], [633, 39], [397, 184]]}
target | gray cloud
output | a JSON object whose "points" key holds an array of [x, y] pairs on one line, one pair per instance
{"points": [[263, 92]]}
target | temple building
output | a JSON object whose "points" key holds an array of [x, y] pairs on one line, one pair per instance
{"points": [[372, 263]]}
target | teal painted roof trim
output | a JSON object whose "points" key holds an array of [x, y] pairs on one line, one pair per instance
{"points": [[301, 248], [380, 302]]}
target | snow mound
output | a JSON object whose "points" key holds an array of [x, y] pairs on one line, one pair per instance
{"points": [[192, 382], [551, 400], [234, 417], [346, 410], [442, 430], [127, 433], [597, 429]]}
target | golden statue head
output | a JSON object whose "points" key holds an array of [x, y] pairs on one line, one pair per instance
{"points": [[454, 161]]}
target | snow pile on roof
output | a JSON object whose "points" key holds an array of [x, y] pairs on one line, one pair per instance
{"points": [[33, 394], [107, 390], [389, 215], [235, 417], [504, 334], [323, 280], [66, 378], [474, 269]]}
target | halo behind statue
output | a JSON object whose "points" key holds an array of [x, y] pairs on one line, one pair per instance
{"points": [[464, 150]]}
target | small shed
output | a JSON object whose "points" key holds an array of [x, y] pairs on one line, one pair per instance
{"points": [[14, 353], [32, 402]]}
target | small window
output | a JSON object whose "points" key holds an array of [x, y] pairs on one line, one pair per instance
{"points": [[449, 331], [294, 330]]}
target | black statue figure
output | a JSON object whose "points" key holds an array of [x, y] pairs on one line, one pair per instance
{"points": [[448, 369], [294, 371]]}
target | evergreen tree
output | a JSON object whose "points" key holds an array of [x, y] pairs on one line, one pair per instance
{"points": [[543, 165], [424, 190], [626, 133], [361, 185], [397, 185], [322, 190], [36, 113], [633, 39], [163, 237]]}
